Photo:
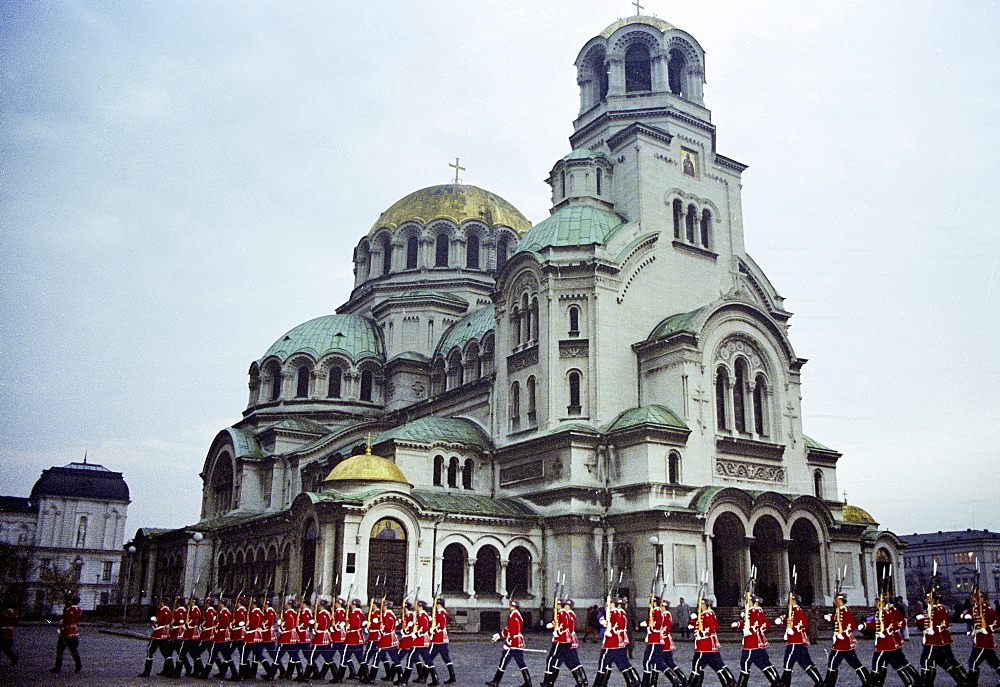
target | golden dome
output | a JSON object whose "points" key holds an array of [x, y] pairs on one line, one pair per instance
{"points": [[858, 516], [456, 202], [655, 22], [366, 467]]}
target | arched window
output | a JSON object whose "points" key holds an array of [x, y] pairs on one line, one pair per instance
{"points": [[562, 184], [574, 320], [599, 170], [637, 69], [502, 252], [706, 228], [515, 324], [525, 319], [675, 72], [441, 250], [275, 381], [533, 320], [366, 385], [678, 218], [453, 472], [674, 468], [302, 382], [438, 469], [818, 484], [221, 488], [333, 385], [739, 396], [485, 574], [721, 384], [411, 253], [515, 405], [601, 69], [760, 406], [531, 401], [386, 256], [574, 393], [689, 221], [472, 252], [519, 573], [467, 473], [453, 565], [81, 533]]}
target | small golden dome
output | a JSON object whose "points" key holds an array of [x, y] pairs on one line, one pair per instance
{"points": [[366, 467], [456, 202], [858, 516]]}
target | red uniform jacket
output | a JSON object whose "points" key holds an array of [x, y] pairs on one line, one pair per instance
{"points": [[161, 623], [239, 622], [375, 625], [255, 622], [654, 627], [666, 627], [387, 635], [615, 634], [844, 626], [268, 632], [983, 638], [305, 619], [421, 636], [208, 625], [566, 633], [9, 622], [406, 636], [222, 621], [339, 630], [289, 621], [193, 618], [890, 637], [70, 619], [178, 620], [798, 633], [440, 627], [512, 635], [323, 620], [706, 640], [753, 628], [355, 627], [936, 632]]}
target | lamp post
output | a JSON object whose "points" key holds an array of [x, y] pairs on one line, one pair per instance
{"points": [[657, 556], [196, 537], [127, 583]]}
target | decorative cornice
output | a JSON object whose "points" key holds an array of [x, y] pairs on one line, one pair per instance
{"points": [[749, 471], [740, 446]]}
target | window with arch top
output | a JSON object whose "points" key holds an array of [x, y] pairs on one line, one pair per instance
{"points": [[334, 381], [638, 74], [739, 396], [574, 393], [441, 250], [515, 405], [674, 468], [411, 253], [467, 473], [675, 72], [386, 256], [453, 472], [472, 252], [302, 382], [721, 394], [438, 470], [818, 484], [574, 320], [367, 380]]}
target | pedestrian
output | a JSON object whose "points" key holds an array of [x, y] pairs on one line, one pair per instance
{"points": [[7, 635], [69, 635], [683, 611], [590, 626], [513, 646]]}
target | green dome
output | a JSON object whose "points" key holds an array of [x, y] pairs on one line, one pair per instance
{"points": [[355, 336], [472, 326], [575, 225], [654, 414], [681, 322], [583, 154]]}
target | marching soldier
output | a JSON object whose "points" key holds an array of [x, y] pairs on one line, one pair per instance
{"points": [[222, 645], [253, 642], [513, 646], [69, 635], [566, 644], [190, 645], [705, 626], [7, 635], [178, 625], [614, 650], [888, 625], [405, 650], [844, 642], [158, 639], [303, 623], [671, 670], [338, 637], [652, 657], [421, 644], [985, 623], [321, 642], [796, 642], [288, 641], [374, 635], [937, 642], [388, 641], [206, 644], [269, 638], [439, 642], [754, 625], [353, 644]]}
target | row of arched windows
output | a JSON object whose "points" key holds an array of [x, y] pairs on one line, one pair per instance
{"points": [[461, 367], [340, 383], [382, 257], [531, 415], [486, 571], [524, 322], [741, 402], [692, 225], [456, 472]]}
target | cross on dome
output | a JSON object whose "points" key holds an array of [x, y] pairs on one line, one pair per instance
{"points": [[457, 168]]}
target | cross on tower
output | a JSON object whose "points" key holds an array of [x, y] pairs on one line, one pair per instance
{"points": [[457, 168], [368, 443], [638, 7]]}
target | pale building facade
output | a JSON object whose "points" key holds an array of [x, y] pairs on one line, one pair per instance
{"points": [[612, 388]]}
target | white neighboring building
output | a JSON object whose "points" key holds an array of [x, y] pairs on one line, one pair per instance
{"points": [[542, 399], [73, 521]]}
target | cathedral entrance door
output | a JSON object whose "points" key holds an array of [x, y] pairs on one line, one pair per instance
{"points": [[387, 560], [766, 553], [803, 556], [729, 541]]}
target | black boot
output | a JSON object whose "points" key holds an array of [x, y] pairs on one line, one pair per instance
{"points": [[147, 667], [223, 669], [496, 679], [786, 678], [421, 674], [601, 679], [168, 667], [631, 677], [580, 675], [451, 674], [725, 677], [831, 679], [676, 677], [548, 679], [973, 679], [957, 673], [908, 674], [696, 678], [878, 678], [813, 673], [865, 675], [647, 679], [403, 676], [236, 676], [526, 676], [432, 674], [743, 679], [771, 673]]}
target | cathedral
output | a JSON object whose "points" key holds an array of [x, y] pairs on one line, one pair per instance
{"points": [[608, 397]]}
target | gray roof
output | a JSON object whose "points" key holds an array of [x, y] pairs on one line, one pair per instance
{"points": [[81, 480]]}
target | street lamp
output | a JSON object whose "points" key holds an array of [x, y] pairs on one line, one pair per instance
{"points": [[127, 583], [657, 556]]}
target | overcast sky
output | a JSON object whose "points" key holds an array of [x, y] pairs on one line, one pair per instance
{"points": [[183, 182]]}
